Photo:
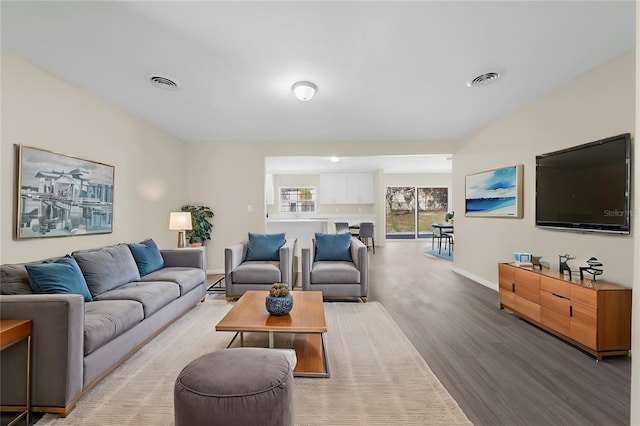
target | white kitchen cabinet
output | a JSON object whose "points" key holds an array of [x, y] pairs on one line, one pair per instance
{"points": [[333, 188], [360, 188], [346, 188]]}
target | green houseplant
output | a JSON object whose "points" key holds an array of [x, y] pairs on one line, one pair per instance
{"points": [[200, 224]]}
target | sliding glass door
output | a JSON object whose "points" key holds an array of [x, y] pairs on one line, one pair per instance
{"points": [[410, 211]]}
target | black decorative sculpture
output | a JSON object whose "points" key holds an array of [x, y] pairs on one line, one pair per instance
{"points": [[535, 260], [591, 268], [563, 264], [449, 216]]}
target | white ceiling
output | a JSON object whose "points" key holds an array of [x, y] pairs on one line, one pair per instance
{"points": [[386, 70], [391, 164]]}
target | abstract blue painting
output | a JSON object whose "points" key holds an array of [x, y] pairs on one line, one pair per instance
{"points": [[495, 193]]}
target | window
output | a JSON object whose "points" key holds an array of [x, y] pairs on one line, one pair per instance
{"points": [[297, 200]]}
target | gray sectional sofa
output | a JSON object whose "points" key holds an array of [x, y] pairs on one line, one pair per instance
{"points": [[77, 343]]}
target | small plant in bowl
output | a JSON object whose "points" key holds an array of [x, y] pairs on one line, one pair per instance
{"points": [[279, 301], [279, 290]]}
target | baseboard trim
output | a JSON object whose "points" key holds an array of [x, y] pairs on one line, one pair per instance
{"points": [[476, 278]]}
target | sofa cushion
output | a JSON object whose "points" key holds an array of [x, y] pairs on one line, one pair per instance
{"points": [[106, 268], [334, 273], [257, 273], [186, 278], [153, 295], [147, 256], [264, 246], [107, 319], [61, 277], [14, 279], [331, 247]]}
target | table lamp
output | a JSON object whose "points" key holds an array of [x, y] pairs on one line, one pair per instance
{"points": [[180, 221]]}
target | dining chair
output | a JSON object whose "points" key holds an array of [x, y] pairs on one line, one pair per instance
{"points": [[366, 234], [342, 227]]}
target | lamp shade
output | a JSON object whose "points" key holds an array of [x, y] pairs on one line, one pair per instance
{"points": [[304, 90], [180, 221]]}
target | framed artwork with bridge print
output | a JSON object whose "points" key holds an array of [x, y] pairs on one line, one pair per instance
{"points": [[62, 196]]}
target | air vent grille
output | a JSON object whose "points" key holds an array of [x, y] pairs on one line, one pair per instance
{"points": [[163, 82], [484, 79]]}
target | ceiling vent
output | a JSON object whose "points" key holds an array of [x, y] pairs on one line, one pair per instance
{"points": [[484, 79], [163, 82]]}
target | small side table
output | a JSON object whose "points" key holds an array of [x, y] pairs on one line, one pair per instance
{"points": [[12, 332]]}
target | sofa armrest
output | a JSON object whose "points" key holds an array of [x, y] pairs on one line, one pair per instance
{"points": [[360, 257], [307, 261], [190, 257], [286, 254], [57, 335], [233, 257]]}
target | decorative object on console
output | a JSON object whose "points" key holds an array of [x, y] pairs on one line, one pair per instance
{"points": [[522, 257], [591, 268], [201, 227], [563, 258], [535, 260], [180, 221], [495, 193], [279, 301], [62, 196]]}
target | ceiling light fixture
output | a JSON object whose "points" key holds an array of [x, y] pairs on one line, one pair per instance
{"points": [[335, 159], [304, 90]]}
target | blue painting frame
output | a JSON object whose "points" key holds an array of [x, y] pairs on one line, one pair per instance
{"points": [[495, 193]]}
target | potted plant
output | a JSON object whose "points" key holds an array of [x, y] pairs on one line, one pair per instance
{"points": [[279, 301], [201, 227]]}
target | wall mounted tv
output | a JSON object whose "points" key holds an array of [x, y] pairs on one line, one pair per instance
{"points": [[586, 187]]}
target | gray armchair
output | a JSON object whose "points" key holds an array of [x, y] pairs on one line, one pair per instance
{"points": [[242, 275], [337, 278]]}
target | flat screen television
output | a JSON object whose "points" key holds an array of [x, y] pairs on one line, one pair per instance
{"points": [[586, 187]]}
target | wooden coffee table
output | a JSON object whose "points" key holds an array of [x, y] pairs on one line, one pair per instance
{"points": [[306, 320]]}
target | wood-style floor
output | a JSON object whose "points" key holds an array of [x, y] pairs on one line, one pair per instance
{"points": [[500, 369]]}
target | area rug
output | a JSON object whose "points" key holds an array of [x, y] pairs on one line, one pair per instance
{"points": [[444, 254], [377, 376]]}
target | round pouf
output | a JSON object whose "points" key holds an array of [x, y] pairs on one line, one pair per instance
{"points": [[241, 386]]}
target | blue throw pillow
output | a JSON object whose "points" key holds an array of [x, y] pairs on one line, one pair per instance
{"points": [[61, 277], [333, 247], [265, 246], [147, 257]]}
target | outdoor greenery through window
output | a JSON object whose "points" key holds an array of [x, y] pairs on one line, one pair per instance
{"points": [[297, 200]]}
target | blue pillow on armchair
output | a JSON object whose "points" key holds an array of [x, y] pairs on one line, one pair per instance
{"points": [[265, 246], [61, 277], [147, 256], [333, 247]]}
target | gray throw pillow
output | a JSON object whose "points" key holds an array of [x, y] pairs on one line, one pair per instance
{"points": [[106, 268]]}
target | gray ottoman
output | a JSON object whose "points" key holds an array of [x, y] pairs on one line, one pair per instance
{"points": [[242, 386]]}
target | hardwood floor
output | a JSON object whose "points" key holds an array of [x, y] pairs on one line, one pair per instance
{"points": [[500, 369]]}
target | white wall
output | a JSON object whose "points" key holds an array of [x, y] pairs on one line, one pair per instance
{"points": [[635, 310], [594, 106], [40, 110], [229, 176]]}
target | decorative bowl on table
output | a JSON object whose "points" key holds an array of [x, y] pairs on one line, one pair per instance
{"points": [[279, 301]]}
